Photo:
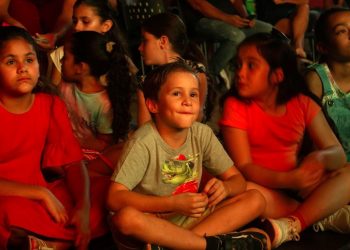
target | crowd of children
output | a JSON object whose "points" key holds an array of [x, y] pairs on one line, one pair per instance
{"points": [[73, 168]]}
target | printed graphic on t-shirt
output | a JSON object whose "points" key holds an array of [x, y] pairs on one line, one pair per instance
{"points": [[181, 171]]}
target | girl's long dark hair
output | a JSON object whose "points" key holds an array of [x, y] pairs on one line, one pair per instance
{"points": [[104, 58]]}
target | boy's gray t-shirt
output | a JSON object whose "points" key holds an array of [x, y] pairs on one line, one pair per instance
{"points": [[149, 166]]}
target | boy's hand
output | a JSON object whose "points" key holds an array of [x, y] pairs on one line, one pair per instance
{"points": [[55, 207], [216, 191], [190, 204]]}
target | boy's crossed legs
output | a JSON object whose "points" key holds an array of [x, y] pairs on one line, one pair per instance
{"points": [[229, 215]]}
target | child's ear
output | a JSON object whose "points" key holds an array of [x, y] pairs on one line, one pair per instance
{"points": [[164, 42], [83, 68], [152, 106], [277, 76], [107, 25]]}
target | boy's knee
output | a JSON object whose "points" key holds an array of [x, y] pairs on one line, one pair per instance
{"points": [[256, 200], [127, 220]]}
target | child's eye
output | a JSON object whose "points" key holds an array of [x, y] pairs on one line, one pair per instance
{"points": [[29, 60], [237, 65], [10, 62], [341, 31], [251, 65], [194, 94], [176, 93]]}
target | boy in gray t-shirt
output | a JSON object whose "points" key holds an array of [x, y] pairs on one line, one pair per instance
{"points": [[154, 194]]}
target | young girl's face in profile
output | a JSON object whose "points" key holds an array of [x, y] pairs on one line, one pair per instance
{"points": [[178, 101], [19, 68], [150, 49], [68, 64], [252, 73], [338, 30], [85, 18]]}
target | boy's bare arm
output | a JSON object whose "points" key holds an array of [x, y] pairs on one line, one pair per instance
{"points": [[190, 204]]}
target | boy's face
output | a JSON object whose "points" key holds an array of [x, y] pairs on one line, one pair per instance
{"points": [[178, 101], [19, 68]]}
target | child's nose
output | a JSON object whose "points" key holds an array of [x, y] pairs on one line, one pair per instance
{"points": [[187, 101], [78, 27], [239, 73], [140, 48], [22, 67]]}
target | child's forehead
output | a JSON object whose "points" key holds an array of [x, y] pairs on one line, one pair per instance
{"points": [[338, 18], [249, 51], [16, 44], [180, 77]]}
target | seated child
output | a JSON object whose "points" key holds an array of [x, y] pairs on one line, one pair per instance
{"points": [[154, 194], [36, 135], [98, 109], [263, 125], [330, 79]]}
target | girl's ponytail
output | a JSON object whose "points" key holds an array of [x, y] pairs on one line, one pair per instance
{"points": [[120, 82]]}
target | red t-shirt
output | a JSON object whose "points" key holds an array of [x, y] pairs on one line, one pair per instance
{"points": [[274, 140], [40, 137]]}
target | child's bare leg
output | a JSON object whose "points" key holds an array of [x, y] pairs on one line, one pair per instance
{"points": [[154, 230], [235, 212], [327, 198], [299, 25], [278, 204]]}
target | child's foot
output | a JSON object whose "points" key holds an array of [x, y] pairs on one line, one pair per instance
{"points": [[251, 238], [38, 244], [281, 230], [337, 222]]}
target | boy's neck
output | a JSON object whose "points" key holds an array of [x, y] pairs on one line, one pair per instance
{"points": [[175, 138], [17, 105]]}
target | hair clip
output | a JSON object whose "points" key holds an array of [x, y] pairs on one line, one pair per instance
{"points": [[109, 46]]}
